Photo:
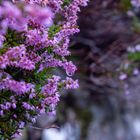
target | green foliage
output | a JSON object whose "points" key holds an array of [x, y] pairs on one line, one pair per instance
{"points": [[13, 39], [53, 30], [125, 4], [134, 56], [66, 2], [136, 24], [41, 78]]}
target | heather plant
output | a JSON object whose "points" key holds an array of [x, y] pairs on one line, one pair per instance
{"points": [[34, 41]]}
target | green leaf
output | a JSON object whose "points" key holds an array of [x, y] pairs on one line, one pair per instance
{"points": [[66, 3], [53, 30], [134, 56]]}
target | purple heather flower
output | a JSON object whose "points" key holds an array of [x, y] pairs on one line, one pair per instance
{"points": [[7, 105], [17, 87], [69, 67], [16, 57], [21, 124], [43, 17], [70, 83], [2, 38], [137, 47], [26, 105], [1, 113], [33, 120], [13, 105], [52, 86], [32, 95], [51, 113], [123, 76], [63, 49], [15, 116]]}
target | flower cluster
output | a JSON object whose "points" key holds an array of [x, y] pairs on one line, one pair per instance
{"points": [[34, 41]]}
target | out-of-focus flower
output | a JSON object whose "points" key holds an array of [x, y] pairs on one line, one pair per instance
{"points": [[135, 3]]}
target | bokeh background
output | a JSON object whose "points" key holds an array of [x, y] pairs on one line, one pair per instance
{"points": [[107, 104]]}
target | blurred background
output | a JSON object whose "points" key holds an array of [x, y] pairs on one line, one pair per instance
{"points": [[107, 53]]}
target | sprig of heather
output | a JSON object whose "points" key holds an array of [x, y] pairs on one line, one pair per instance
{"points": [[34, 40]]}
